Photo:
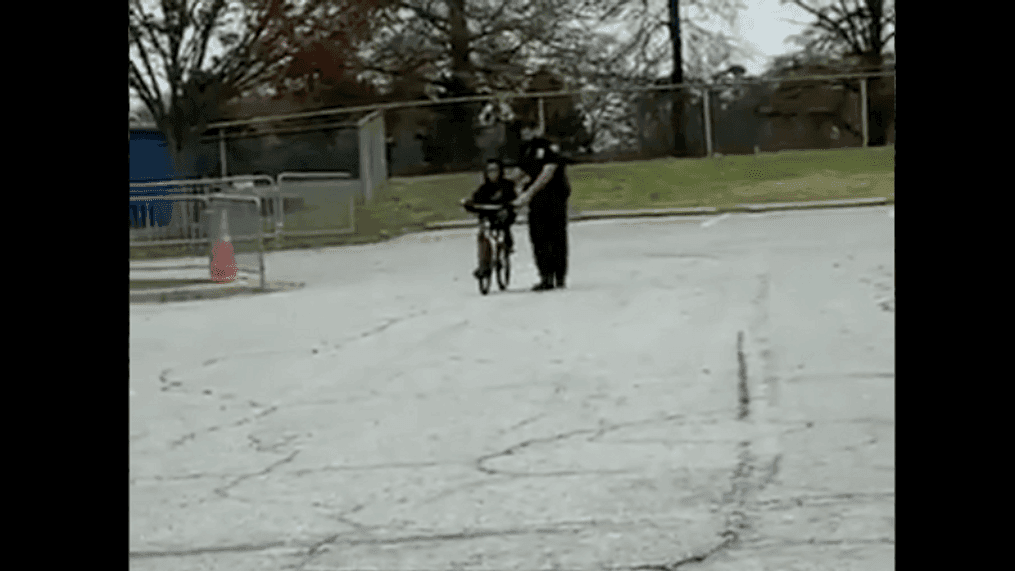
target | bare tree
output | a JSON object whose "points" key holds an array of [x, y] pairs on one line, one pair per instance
{"points": [[187, 56], [676, 41], [487, 44], [848, 27], [857, 34], [468, 47]]}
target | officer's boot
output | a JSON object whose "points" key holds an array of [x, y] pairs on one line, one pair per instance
{"points": [[544, 284]]}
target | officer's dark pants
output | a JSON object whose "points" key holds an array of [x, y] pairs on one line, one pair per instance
{"points": [[548, 233]]}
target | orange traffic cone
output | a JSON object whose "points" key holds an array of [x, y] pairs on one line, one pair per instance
{"points": [[223, 258]]}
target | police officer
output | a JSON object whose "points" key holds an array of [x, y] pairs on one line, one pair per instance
{"points": [[546, 196]]}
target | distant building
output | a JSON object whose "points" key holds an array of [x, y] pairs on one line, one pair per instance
{"points": [[148, 155], [149, 161]]}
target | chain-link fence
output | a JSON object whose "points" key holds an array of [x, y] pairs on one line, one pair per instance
{"points": [[296, 205], [738, 116], [157, 216], [373, 153], [319, 204], [311, 172], [735, 117]]}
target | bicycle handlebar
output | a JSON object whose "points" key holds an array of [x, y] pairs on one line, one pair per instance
{"points": [[490, 207]]}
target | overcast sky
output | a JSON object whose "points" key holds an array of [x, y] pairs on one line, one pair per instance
{"points": [[763, 27]]}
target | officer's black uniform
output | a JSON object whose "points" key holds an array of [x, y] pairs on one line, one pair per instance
{"points": [[548, 214]]}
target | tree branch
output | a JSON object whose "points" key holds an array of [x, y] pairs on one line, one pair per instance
{"points": [[144, 59], [150, 98], [853, 36], [206, 25], [434, 20]]}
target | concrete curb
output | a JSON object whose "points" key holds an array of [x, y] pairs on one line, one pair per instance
{"points": [[207, 291], [698, 211]]}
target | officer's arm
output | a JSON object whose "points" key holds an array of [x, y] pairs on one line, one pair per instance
{"points": [[541, 181], [517, 178]]}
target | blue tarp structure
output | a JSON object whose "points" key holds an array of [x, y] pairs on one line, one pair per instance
{"points": [[150, 161]]}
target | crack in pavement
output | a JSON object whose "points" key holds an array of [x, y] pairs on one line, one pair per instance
{"points": [[298, 473], [375, 330], [744, 396], [824, 500], [261, 447], [257, 353], [729, 538], [743, 483], [245, 420], [524, 422], [816, 541], [525, 444], [166, 383], [197, 476], [340, 539], [596, 433], [364, 467], [238, 548], [315, 550], [223, 490]]}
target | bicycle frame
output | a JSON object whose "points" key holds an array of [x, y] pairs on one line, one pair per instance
{"points": [[486, 229], [492, 251]]}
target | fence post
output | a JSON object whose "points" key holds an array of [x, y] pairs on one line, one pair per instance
{"points": [[863, 109], [352, 212], [365, 164], [542, 119], [642, 107], [279, 214], [222, 152], [260, 242], [708, 124]]}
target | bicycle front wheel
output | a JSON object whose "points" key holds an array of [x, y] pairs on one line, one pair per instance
{"points": [[503, 267], [485, 265]]}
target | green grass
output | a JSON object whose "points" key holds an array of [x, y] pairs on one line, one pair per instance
{"points": [[779, 177], [770, 177], [407, 203]]}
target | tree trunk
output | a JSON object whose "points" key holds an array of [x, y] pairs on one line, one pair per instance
{"points": [[876, 8], [677, 76], [879, 115], [459, 36], [880, 112]]}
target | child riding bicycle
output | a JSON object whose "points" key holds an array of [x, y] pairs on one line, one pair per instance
{"points": [[498, 191]]}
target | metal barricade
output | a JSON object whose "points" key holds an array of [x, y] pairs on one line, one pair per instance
{"points": [[317, 207], [245, 230]]}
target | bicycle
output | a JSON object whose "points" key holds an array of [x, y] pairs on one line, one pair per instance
{"points": [[493, 253]]}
